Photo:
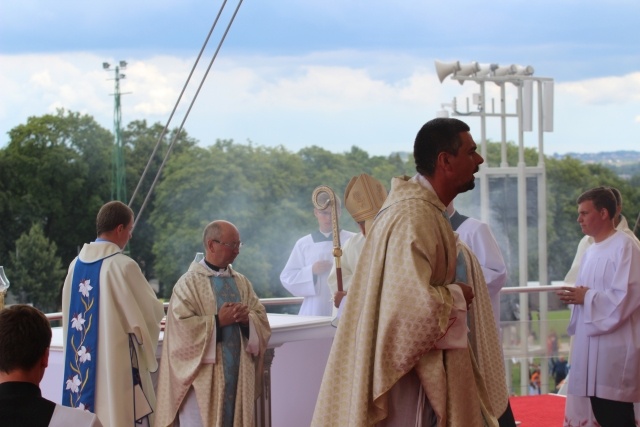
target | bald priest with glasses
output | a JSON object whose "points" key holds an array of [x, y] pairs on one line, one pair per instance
{"points": [[214, 342]]}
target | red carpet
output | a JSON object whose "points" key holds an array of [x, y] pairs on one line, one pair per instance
{"points": [[545, 410]]}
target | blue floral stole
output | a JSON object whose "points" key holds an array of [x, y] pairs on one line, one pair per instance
{"points": [[81, 348]]}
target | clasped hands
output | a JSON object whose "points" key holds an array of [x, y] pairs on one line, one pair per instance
{"points": [[233, 312], [572, 295]]}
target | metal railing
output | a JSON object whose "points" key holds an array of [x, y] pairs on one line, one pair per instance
{"points": [[267, 302]]}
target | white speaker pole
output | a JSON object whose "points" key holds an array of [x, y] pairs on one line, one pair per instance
{"points": [[527, 106], [547, 102]]}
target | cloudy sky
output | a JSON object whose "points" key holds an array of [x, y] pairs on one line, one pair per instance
{"points": [[332, 73]]}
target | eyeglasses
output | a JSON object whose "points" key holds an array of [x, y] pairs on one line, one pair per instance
{"points": [[234, 246]]}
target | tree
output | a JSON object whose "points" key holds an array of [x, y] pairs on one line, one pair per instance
{"points": [[140, 139], [265, 192], [37, 273], [54, 172]]}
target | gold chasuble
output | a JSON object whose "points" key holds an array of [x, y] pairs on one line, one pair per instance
{"points": [[188, 334], [399, 307], [483, 336]]}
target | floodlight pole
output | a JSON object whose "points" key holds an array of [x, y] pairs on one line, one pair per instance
{"points": [[118, 171]]}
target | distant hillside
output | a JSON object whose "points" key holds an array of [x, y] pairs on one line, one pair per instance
{"points": [[613, 158]]}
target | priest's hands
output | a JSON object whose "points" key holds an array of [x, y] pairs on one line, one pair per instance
{"points": [[233, 312]]}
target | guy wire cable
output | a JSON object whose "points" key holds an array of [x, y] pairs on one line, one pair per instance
{"points": [[177, 135], [175, 107]]}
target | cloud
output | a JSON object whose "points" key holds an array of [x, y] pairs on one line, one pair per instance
{"points": [[604, 90], [335, 99]]}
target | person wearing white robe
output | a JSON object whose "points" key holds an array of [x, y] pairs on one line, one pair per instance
{"points": [[129, 322], [605, 321], [363, 198], [620, 223], [307, 269], [580, 407], [478, 236]]}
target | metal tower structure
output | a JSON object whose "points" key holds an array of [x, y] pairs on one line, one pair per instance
{"points": [[527, 89], [118, 172]]}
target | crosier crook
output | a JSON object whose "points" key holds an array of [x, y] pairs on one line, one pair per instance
{"points": [[337, 251]]}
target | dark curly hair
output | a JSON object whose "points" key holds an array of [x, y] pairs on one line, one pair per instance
{"points": [[436, 136]]}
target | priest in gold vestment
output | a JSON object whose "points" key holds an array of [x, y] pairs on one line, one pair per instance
{"points": [[401, 356], [215, 338]]}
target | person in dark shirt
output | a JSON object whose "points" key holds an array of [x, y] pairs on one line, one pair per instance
{"points": [[25, 337]]}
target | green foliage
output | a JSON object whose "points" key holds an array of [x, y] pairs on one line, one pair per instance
{"points": [[54, 172], [566, 179], [36, 271], [265, 192], [140, 140], [56, 169]]}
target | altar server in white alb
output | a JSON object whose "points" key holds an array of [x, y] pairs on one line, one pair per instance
{"points": [[605, 317], [478, 236], [363, 198], [111, 323], [580, 406], [215, 339], [306, 272], [619, 222]]}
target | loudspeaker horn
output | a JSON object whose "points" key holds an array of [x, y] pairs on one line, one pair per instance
{"points": [[443, 69], [486, 69], [468, 69], [504, 71], [523, 71]]}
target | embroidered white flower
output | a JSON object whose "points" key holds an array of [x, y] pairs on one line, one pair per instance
{"points": [[77, 322], [82, 407], [84, 354], [85, 287], [73, 384]]}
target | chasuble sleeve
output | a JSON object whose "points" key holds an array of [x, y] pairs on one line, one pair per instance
{"points": [[260, 330], [139, 308], [191, 319], [455, 336]]}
